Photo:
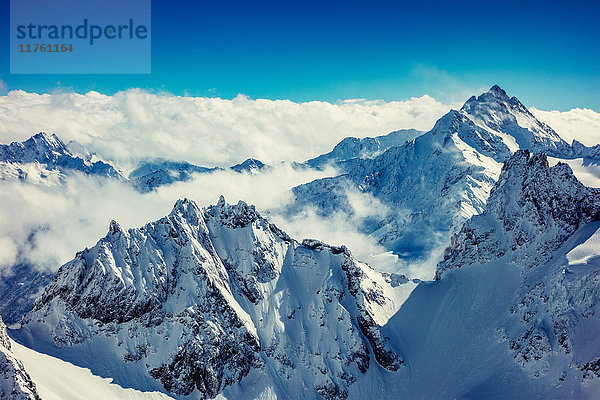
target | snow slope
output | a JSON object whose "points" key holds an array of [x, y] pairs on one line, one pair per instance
{"points": [[59, 380], [514, 313]]}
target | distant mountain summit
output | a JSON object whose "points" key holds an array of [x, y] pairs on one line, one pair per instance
{"points": [[151, 175], [367, 147], [510, 120], [251, 165], [53, 155]]}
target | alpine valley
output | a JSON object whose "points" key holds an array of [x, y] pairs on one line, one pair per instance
{"points": [[489, 226]]}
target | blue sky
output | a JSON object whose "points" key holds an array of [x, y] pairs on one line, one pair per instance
{"points": [[545, 53]]}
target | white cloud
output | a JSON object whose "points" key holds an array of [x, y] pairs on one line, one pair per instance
{"points": [[136, 124], [580, 124], [335, 229], [8, 251], [46, 225]]}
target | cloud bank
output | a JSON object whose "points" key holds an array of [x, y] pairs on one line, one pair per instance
{"points": [[580, 124], [135, 124]]}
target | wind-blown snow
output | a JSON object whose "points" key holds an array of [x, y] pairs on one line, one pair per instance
{"points": [[585, 251]]}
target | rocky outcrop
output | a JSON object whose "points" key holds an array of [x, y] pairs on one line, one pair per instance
{"points": [[15, 382], [536, 217]]}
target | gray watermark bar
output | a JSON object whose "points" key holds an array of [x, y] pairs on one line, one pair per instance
{"points": [[80, 37]]}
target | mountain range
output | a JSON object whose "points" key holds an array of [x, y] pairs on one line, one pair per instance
{"points": [[217, 301]]}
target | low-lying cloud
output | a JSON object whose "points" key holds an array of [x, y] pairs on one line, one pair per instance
{"points": [[135, 124], [46, 225]]}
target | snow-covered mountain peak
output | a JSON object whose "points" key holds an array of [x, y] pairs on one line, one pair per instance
{"points": [[233, 215], [436, 181], [186, 209], [114, 227], [529, 188], [496, 95], [41, 147], [509, 119], [251, 165], [48, 153], [44, 142], [497, 91], [200, 298], [352, 148]]}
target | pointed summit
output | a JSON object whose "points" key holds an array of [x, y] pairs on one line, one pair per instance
{"points": [[42, 142], [494, 98], [251, 165], [532, 206], [186, 208], [498, 92], [511, 121], [114, 227]]}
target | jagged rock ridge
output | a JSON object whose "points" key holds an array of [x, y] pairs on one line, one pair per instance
{"points": [[544, 222], [199, 299], [532, 204]]}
